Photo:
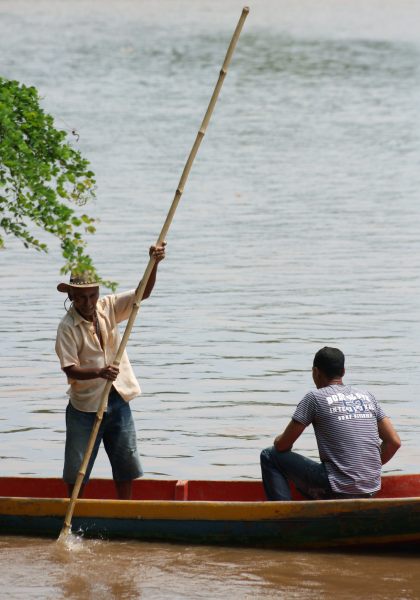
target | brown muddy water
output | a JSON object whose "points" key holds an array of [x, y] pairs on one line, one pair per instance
{"points": [[299, 227], [124, 570]]}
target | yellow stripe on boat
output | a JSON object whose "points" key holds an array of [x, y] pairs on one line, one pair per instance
{"points": [[199, 510]]}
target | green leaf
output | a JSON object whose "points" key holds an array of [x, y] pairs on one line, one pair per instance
{"points": [[42, 178]]}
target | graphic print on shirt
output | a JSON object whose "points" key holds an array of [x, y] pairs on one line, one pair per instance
{"points": [[351, 406]]}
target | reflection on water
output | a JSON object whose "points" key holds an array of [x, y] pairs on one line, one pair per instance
{"points": [[298, 228]]}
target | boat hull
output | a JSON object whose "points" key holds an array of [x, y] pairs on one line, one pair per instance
{"points": [[381, 522]]}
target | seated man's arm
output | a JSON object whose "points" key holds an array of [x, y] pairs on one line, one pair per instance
{"points": [[285, 440], [390, 439]]}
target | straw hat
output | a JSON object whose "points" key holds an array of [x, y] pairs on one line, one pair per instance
{"points": [[82, 280]]}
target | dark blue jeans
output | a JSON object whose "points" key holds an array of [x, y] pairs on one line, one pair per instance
{"points": [[117, 432], [309, 476]]}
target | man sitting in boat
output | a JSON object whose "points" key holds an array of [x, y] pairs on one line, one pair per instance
{"points": [[348, 423], [87, 343]]}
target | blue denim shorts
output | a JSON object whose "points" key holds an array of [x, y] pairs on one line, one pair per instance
{"points": [[117, 433]]}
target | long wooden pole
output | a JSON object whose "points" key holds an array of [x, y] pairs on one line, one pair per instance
{"points": [[142, 285]]}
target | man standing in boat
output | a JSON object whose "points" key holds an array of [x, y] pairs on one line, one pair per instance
{"points": [[354, 436], [87, 343]]}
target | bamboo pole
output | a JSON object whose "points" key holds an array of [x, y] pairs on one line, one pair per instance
{"points": [[142, 285]]}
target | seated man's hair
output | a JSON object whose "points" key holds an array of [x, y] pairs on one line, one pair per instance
{"points": [[330, 361]]}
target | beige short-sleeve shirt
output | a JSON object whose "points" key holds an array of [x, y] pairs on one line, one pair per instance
{"points": [[77, 344]]}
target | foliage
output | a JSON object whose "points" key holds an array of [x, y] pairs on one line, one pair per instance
{"points": [[41, 176]]}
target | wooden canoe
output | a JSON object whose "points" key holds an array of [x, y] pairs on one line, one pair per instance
{"points": [[216, 512]]}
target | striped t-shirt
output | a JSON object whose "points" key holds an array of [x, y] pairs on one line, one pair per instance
{"points": [[345, 421]]}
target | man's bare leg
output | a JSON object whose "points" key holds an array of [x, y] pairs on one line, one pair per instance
{"points": [[124, 489], [70, 488]]}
